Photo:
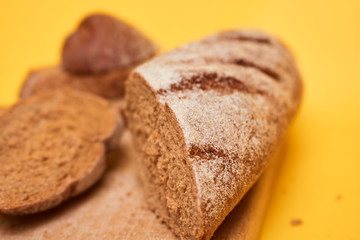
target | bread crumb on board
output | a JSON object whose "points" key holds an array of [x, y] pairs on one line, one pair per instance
{"points": [[339, 197], [296, 222]]}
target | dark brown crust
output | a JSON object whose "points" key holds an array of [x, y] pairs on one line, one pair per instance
{"points": [[207, 152], [240, 62], [249, 36], [207, 81], [272, 74], [102, 43], [244, 38]]}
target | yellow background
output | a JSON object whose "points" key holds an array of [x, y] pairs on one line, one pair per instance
{"points": [[319, 182]]}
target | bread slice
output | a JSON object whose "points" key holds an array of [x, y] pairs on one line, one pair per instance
{"points": [[52, 147], [103, 43], [207, 117], [109, 85], [116, 209], [97, 58]]}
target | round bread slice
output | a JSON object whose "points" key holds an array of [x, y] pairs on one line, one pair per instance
{"points": [[103, 43], [52, 147], [108, 85]]}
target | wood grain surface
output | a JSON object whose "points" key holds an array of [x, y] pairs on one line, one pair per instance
{"points": [[115, 209]]}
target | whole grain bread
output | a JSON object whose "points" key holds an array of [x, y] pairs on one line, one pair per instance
{"points": [[52, 147], [207, 117], [97, 58], [103, 43]]}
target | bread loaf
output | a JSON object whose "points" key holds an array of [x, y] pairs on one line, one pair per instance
{"points": [[52, 147], [207, 117], [97, 58]]}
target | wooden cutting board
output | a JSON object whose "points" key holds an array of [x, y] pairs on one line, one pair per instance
{"points": [[115, 209]]}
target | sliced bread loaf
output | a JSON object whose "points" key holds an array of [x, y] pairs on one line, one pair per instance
{"points": [[52, 147], [207, 117]]}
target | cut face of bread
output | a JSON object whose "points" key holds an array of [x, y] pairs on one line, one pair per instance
{"points": [[207, 117], [108, 85], [52, 147], [103, 43]]}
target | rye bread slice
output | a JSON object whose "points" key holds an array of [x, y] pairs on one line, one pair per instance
{"points": [[207, 117], [103, 43], [109, 85], [52, 147]]}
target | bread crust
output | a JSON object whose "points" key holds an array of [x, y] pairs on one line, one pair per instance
{"points": [[233, 95], [47, 124]]}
